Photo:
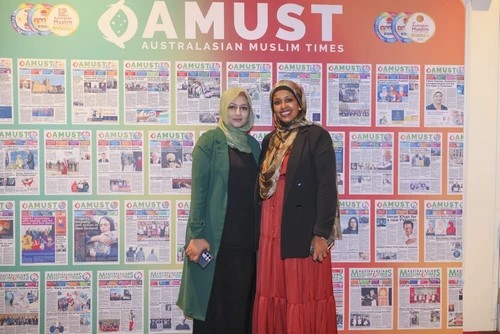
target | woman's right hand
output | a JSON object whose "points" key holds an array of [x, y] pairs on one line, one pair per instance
{"points": [[195, 248]]}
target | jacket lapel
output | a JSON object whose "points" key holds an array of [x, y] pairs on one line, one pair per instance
{"points": [[222, 156], [294, 159]]}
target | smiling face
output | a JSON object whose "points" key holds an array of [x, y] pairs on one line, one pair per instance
{"points": [[238, 111], [285, 106], [438, 98]]}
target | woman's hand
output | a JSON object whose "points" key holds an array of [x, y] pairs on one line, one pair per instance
{"points": [[320, 248], [195, 248]]}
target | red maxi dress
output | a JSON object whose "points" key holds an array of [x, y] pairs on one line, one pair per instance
{"points": [[295, 295]]}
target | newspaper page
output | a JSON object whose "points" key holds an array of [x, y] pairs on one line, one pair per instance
{"points": [[120, 162], [307, 75], [120, 301], [96, 230], [371, 304], [257, 78], [371, 166], [42, 90], [68, 302], [420, 163], [7, 233], [164, 315], [6, 92], [444, 95], [44, 232], [419, 298], [398, 95], [20, 172], [94, 93], [68, 164], [182, 214], [259, 135], [455, 164], [396, 231], [147, 92], [455, 298], [147, 231], [355, 224], [170, 161], [352, 84], [198, 91], [20, 310], [338, 139], [338, 283], [443, 231]]}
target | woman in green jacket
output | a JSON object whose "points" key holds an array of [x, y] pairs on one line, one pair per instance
{"points": [[222, 220]]}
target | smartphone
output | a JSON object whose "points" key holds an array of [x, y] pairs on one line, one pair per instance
{"points": [[329, 243], [205, 258]]}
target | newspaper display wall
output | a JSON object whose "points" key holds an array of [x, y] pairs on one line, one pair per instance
{"points": [[420, 163], [20, 309], [68, 302], [455, 164], [42, 91], [182, 214], [147, 92], [371, 298], [398, 95], [96, 230], [120, 162], [308, 75], [355, 224], [419, 298], [371, 163], [455, 317], [147, 231], [444, 95], [257, 78], [44, 232], [338, 139], [164, 315], [170, 161], [352, 84], [338, 282], [198, 91], [94, 93], [6, 91], [20, 172], [7, 233], [396, 231], [68, 163], [120, 301], [443, 231]]}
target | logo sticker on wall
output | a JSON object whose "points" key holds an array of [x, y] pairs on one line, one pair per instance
{"points": [[44, 19], [118, 24], [404, 27]]}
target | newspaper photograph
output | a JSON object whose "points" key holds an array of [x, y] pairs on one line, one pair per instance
{"points": [[170, 161], [398, 95], [20, 172], [68, 163], [443, 231], [120, 162], [120, 301], [352, 84], [20, 311], [396, 230], [307, 75], [94, 93], [147, 231], [147, 92], [6, 91], [198, 91], [371, 167], [68, 302], [419, 298], [338, 139], [42, 91], [164, 315], [455, 318], [338, 283], [371, 299], [257, 78], [455, 166], [96, 230], [182, 215], [444, 96], [420, 163], [44, 232], [355, 225], [7, 233]]}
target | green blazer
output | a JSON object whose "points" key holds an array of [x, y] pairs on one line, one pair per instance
{"points": [[210, 174]]}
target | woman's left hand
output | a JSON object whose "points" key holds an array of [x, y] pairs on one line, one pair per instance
{"points": [[320, 248]]}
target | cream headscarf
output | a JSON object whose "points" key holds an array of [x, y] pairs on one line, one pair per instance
{"points": [[236, 137]]}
